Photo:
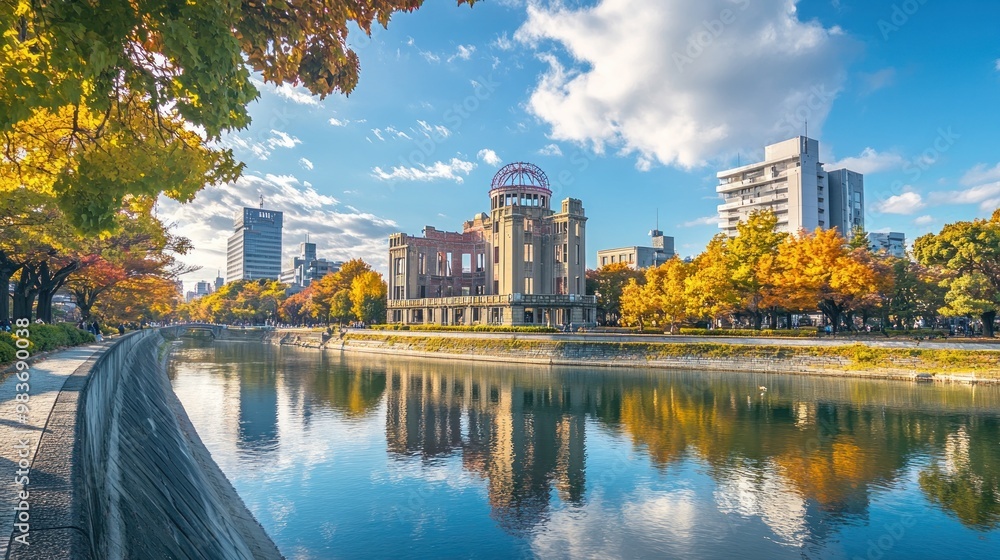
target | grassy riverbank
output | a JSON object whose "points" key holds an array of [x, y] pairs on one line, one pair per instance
{"points": [[847, 359]]}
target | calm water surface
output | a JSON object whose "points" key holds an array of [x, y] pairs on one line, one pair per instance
{"points": [[351, 457]]}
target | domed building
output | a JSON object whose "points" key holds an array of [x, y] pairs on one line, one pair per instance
{"points": [[522, 264]]}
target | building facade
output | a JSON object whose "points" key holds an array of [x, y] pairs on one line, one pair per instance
{"points": [[792, 182], [522, 264], [637, 257], [893, 243], [254, 250], [306, 267]]}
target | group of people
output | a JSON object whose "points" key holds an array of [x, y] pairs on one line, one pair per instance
{"points": [[93, 328]]}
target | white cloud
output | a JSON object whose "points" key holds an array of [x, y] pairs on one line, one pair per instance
{"points": [[996, 64], [706, 221], [297, 95], [652, 78], [986, 196], [489, 157], [305, 163], [397, 133], [981, 174], [464, 52], [905, 203], [281, 139], [338, 122], [434, 130], [339, 233], [923, 220], [378, 134], [550, 150], [430, 57], [870, 161], [262, 147], [452, 171], [503, 42]]}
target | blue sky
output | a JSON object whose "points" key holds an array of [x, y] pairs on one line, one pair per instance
{"points": [[631, 106]]}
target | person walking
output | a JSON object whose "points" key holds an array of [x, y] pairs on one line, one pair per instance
{"points": [[97, 331]]}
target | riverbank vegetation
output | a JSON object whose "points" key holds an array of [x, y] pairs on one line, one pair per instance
{"points": [[847, 358], [43, 338]]}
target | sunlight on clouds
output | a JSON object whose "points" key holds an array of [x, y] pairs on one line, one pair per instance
{"points": [[906, 203], [489, 157], [670, 81], [452, 171]]}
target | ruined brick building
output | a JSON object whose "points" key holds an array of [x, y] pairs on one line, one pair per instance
{"points": [[521, 264]]}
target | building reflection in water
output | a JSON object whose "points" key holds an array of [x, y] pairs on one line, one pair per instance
{"points": [[523, 440], [803, 466]]}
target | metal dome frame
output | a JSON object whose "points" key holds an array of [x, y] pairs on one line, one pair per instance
{"points": [[520, 174]]}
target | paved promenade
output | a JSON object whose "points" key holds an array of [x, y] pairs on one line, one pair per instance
{"points": [[20, 437]]}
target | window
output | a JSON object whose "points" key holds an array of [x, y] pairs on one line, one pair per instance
{"points": [[578, 285], [420, 264], [577, 247], [496, 254], [398, 265], [529, 252]]}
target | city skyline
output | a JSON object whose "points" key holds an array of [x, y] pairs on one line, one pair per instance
{"points": [[880, 98]]}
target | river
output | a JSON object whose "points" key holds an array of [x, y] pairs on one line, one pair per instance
{"points": [[354, 456]]}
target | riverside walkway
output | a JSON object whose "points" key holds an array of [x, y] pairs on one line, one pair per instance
{"points": [[49, 422]]}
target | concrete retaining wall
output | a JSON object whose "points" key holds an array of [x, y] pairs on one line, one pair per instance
{"points": [[604, 354], [140, 482]]}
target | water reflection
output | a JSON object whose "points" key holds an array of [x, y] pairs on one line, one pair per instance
{"points": [[601, 462]]}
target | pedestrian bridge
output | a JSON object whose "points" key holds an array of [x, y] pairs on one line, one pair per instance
{"points": [[218, 332]]}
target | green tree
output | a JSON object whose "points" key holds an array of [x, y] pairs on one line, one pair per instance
{"points": [[106, 98], [607, 283], [971, 250]]}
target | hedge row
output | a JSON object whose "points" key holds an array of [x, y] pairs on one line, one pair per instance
{"points": [[786, 333], [43, 338], [465, 328]]}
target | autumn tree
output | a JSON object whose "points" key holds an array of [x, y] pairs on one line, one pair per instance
{"points": [[607, 283], [104, 99], [709, 287], [818, 271], [368, 297], [971, 250], [750, 258], [327, 287]]}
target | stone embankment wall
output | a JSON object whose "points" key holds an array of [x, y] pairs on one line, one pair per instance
{"points": [[854, 360], [143, 484]]}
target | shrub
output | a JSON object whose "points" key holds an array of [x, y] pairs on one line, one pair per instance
{"points": [[787, 333], [7, 352]]}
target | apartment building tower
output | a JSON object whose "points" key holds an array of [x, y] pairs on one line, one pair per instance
{"points": [[792, 182]]}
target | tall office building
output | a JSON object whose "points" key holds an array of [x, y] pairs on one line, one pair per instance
{"points": [[255, 246], [792, 182], [306, 267]]}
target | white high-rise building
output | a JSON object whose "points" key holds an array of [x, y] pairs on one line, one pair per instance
{"points": [[791, 181], [255, 247], [893, 243]]}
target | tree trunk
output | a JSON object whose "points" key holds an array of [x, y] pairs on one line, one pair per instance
{"points": [[758, 319], [774, 318], [48, 283], [24, 293], [988, 319], [7, 269]]}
